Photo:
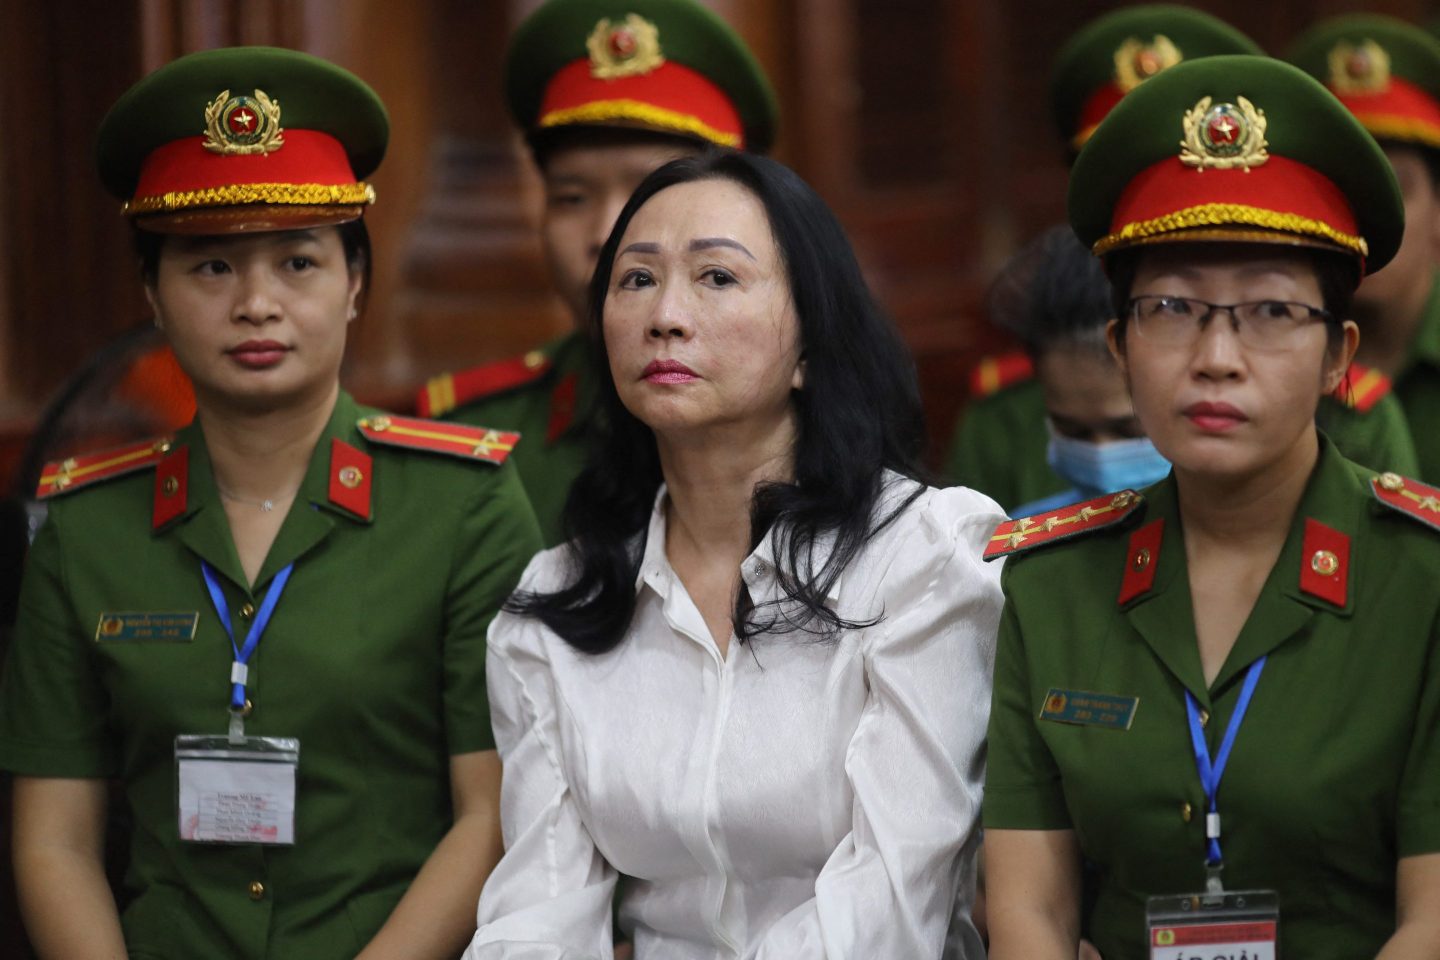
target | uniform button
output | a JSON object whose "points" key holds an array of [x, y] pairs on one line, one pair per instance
{"points": [[1204, 718], [247, 611], [1185, 812], [257, 890]]}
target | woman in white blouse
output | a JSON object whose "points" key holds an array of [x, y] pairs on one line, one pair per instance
{"points": [[755, 681]]}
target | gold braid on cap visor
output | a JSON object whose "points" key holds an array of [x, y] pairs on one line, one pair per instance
{"points": [[1227, 215], [602, 111], [1390, 127], [298, 194]]}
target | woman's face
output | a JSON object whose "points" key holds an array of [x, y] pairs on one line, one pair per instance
{"points": [[257, 321], [698, 319], [1218, 406]]}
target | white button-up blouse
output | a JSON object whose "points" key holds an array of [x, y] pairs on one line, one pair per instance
{"points": [[792, 799]]}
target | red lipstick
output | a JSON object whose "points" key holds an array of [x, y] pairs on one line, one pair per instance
{"points": [[1215, 417], [668, 371], [258, 354]]}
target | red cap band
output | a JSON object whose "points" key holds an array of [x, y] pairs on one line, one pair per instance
{"points": [[671, 98], [183, 166], [1402, 111], [1279, 184], [1097, 107]]}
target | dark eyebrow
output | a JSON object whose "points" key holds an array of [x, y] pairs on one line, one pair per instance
{"points": [[642, 248], [705, 243]]}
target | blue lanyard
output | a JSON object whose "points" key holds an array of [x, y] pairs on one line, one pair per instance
{"points": [[1210, 774], [240, 669]]}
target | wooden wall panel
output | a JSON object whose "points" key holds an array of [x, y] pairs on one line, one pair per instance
{"points": [[924, 122]]}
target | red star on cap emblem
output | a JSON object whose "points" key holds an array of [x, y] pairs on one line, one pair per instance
{"points": [[1223, 130], [622, 44], [241, 121]]}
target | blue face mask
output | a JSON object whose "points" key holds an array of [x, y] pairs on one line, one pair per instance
{"points": [[1100, 468]]}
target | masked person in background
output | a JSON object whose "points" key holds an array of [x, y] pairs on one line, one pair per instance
{"points": [[1054, 298], [1222, 692], [1001, 444]]}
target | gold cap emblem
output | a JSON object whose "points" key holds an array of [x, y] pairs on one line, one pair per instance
{"points": [[1137, 61], [243, 125], [626, 49], [1224, 136], [1359, 68]]}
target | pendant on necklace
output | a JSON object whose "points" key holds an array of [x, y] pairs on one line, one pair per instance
{"points": [[267, 506]]}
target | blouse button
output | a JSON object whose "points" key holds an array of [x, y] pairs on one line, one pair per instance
{"points": [[1185, 812], [257, 890], [247, 611]]}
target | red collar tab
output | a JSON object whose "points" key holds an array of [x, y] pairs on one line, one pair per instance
{"points": [[1027, 533], [350, 476], [74, 473], [450, 390], [1325, 563], [172, 487], [1142, 559], [451, 439], [1410, 497], [562, 408], [993, 374], [1362, 388]]}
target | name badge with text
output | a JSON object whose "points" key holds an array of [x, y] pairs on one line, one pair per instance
{"points": [[237, 791], [1089, 709], [1238, 925], [162, 627]]}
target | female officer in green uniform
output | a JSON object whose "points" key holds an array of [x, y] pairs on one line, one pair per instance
{"points": [[270, 627], [1231, 682]]}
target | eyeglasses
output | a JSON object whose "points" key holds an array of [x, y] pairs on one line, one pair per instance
{"points": [[1259, 325]]}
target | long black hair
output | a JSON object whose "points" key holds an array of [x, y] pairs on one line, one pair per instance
{"points": [[857, 417]]}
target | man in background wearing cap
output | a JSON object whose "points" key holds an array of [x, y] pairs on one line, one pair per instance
{"points": [[1001, 447], [606, 91], [1388, 74]]}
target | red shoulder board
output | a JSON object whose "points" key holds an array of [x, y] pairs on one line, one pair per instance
{"points": [[63, 476], [1410, 497], [452, 439], [1362, 388], [993, 374], [444, 393], [1017, 536]]}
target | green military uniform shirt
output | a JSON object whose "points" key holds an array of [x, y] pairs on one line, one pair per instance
{"points": [[1418, 387], [1000, 443], [550, 409], [1336, 769], [374, 659]]}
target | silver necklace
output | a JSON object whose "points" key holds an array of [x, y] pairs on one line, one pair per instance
{"points": [[265, 505]]}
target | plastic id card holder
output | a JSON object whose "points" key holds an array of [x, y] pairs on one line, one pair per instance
{"points": [[1234, 925], [237, 791]]}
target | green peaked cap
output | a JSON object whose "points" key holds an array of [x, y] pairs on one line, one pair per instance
{"points": [[1357, 56], [170, 103], [1087, 61], [691, 35], [1302, 122]]}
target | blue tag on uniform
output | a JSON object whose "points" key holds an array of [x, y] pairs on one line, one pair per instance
{"points": [[1089, 709], [147, 627]]}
